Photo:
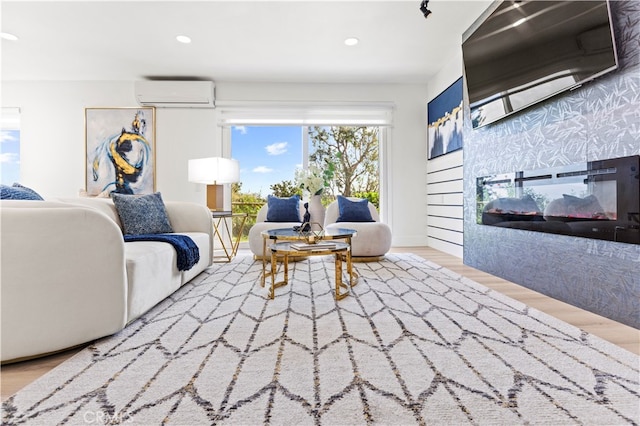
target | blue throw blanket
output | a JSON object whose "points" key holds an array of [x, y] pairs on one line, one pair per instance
{"points": [[186, 248]]}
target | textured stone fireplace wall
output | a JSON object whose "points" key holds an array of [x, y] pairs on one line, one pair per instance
{"points": [[597, 121]]}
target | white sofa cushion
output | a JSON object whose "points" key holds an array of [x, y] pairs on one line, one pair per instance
{"points": [[155, 262], [105, 205], [202, 240], [152, 274]]}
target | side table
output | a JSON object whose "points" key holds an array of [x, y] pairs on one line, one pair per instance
{"points": [[220, 218]]}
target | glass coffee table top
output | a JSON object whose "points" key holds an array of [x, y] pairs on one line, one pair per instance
{"points": [[325, 234]]}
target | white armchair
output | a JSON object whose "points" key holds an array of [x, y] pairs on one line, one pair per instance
{"points": [[255, 233], [373, 239]]}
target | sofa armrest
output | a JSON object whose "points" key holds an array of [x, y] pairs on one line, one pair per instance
{"points": [[63, 277], [190, 217]]}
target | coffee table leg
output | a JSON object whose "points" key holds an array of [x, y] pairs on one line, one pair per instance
{"points": [[286, 269], [274, 272], [339, 295], [350, 269], [353, 276], [264, 261], [272, 293]]}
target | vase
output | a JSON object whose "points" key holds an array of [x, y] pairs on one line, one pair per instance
{"points": [[316, 210]]}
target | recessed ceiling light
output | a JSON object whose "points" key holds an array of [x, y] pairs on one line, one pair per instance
{"points": [[183, 39], [8, 36], [351, 41]]}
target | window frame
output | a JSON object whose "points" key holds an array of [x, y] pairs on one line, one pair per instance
{"points": [[304, 114]]}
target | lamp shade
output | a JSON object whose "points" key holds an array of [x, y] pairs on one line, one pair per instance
{"points": [[214, 170]]}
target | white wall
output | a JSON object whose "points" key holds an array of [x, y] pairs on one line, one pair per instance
{"points": [[52, 137], [444, 174]]}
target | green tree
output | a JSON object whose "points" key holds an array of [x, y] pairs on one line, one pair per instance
{"points": [[286, 188], [374, 197], [248, 203], [353, 151]]}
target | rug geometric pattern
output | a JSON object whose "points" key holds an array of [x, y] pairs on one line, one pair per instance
{"points": [[414, 343]]}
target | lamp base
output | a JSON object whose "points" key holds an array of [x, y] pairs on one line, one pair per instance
{"points": [[215, 197]]}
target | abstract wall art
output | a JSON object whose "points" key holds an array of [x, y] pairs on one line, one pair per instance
{"points": [[444, 118], [119, 150]]}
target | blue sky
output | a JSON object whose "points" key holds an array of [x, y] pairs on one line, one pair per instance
{"points": [[267, 155], [10, 156]]}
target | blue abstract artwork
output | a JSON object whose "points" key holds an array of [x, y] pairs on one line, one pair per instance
{"points": [[445, 115], [120, 150]]}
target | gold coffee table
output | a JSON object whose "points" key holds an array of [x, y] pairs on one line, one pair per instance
{"points": [[291, 235], [285, 250]]}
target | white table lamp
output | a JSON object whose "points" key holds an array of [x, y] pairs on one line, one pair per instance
{"points": [[214, 172]]}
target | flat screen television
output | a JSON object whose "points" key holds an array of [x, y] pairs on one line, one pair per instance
{"points": [[519, 53]]}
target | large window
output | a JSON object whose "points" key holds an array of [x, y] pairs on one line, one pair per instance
{"points": [[273, 139], [269, 157]]}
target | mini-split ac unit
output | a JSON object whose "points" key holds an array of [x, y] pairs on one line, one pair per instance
{"points": [[175, 94]]}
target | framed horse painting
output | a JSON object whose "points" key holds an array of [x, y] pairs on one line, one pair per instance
{"points": [[119, 150]]}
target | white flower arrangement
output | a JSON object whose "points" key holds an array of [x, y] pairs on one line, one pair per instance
{"points": [[312, 179]]}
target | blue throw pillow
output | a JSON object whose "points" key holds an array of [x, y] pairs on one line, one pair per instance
{"points": [[283, 209], [18, 192], [353, 211], [142, 214]]}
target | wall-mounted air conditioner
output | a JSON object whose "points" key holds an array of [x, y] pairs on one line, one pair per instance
{"points": [[175, 94]]}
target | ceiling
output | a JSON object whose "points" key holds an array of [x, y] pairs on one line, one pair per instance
{"points": [[235, 41]]}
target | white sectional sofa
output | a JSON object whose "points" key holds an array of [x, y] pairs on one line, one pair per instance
{"points": [[68, 277]]}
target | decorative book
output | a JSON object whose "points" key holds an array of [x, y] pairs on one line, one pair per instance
{"points": [[314, 246]]}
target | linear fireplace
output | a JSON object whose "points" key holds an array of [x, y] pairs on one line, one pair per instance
{"points": [[597, 199]]}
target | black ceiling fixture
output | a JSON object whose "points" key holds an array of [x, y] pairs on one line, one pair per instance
{"points": [[423, 8]]}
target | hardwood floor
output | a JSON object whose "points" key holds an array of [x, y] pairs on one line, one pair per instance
{"points": [[14, 377]]}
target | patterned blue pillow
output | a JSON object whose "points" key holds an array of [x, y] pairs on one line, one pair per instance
{"points": [[283, 209], [18, 192], [353, 211], [142, 214]]}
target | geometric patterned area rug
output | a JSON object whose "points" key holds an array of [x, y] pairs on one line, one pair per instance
{"points": [[413, 344]]}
